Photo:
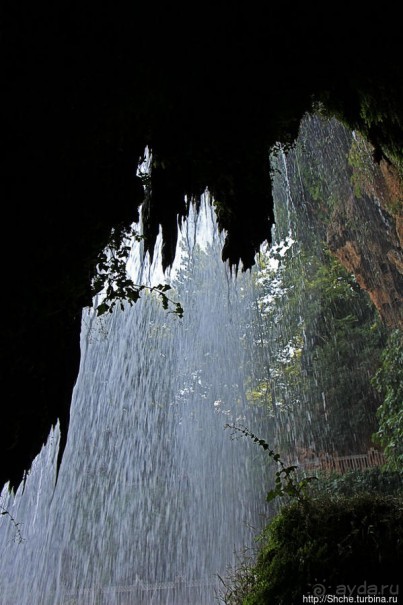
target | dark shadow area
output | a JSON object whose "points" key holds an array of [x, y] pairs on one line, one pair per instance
{"points": [[87, 87]]}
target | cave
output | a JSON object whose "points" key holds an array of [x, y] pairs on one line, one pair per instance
{"points": [[87, 88]]}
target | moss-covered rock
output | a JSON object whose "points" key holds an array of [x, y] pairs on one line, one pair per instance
{"points": [[328, 545]]}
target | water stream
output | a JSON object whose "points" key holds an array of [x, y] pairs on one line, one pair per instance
{"points": [[155, 499], [154, 496]]}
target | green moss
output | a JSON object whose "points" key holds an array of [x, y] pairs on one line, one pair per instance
{"points": [[328, 544]]}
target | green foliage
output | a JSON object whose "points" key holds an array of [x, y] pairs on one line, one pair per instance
{"points": [[329, 542], [319, 333], [362, 164], [114, 281], [389, 382], [240, 580], [318, 343], [329, 545], [286, 484], [370, 481]]}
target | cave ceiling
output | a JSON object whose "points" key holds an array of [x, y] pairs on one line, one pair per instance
{"points": [[86, 88]]}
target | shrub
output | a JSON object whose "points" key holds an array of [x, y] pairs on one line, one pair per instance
{"points": [[327, 545], [389, 381], [371, 480]]}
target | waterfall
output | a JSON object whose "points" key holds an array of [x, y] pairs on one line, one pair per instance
{"points": [[154, 498], [321, 338]]}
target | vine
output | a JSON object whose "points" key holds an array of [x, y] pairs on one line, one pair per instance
{"points": [[18, 534], [286, 484], [112, 276]]}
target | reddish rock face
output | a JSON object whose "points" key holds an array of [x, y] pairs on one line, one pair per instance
{"points": [[366, 235]]}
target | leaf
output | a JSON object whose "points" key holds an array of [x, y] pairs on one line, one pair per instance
{"points": [[97, 286], [133, 295], [102, 308], [271, 495], [179, 310]]}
